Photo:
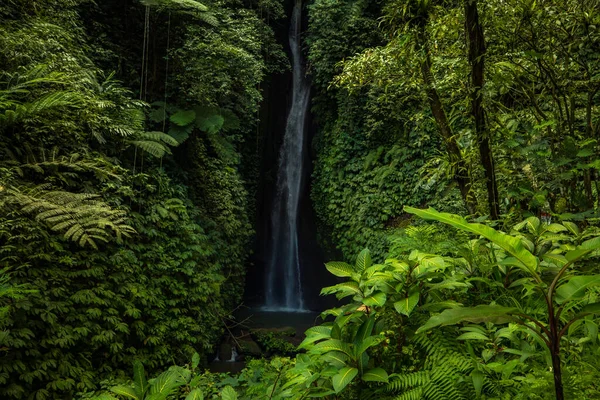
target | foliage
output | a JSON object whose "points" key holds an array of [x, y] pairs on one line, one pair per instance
{"points": [[549, 251], [120, 241], [539, 95]]}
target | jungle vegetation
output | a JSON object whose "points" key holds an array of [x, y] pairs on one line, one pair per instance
{"points": [[455, 176]]}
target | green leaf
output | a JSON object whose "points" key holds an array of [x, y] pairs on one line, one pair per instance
{"points": [[340, 269], [331, 345], [315, 334], [592, 308], [365, 330], [195, 360], [366, 344], [363, 261], [195, 394], [228, 393], [211, 124], [342, 290], [376, 375], [375, 300], [335, 358], [407, 305], [158, 136], [343, 378], [510, 244], [180, 133], [167, 382], [576, 287], [473, 336], [481, 313], [477, 377], [139, 379], [183, 118], [583, 250], [125, 391]]}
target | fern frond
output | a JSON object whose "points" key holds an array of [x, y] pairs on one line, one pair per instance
{"points": [[159, 137], [82, 218], [414, 394], [154, 148]]}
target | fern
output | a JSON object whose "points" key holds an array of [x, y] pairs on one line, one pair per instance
{"points": [[444, 375], [155, 143], [81, 217]]}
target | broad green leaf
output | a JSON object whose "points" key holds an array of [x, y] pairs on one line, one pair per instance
{"points": [[125, 391], [556, 259], [448, 284], [481, 313], [343, 378], [510, 244], [139, 379], [572, 227], [335, 358], [407, 305], [365, 330], [366, 344], [477, 377], [428, 264], [376, 375], [592, 330], [340, 269], [183, 118], [576, 287], [368, 272], [583, 250], [195, 394], [473, 336], [556, 228], [309, 340], [592, 308], [195, 360], [331, 345], [440, 305], [318, 330], [228, 393], [375, 300], [342, 290], [166, 383], [363, 261]]}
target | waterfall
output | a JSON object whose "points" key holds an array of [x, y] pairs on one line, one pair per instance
{"points": [[283, 277]]}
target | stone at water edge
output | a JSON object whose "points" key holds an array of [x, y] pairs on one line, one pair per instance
{"points": [[250, 348], [225, 351]]}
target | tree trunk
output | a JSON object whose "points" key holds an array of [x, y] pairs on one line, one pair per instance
{"points": [[476, 45], [461, 175], [555, 353]]}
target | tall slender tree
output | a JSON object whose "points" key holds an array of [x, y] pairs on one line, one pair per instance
{"points": [[476, 54]]}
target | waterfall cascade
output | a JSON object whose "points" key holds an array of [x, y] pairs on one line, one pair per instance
{"points": [[283, 275]]}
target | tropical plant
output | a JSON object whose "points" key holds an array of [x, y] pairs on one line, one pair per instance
{"points": [[547, 262]]}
